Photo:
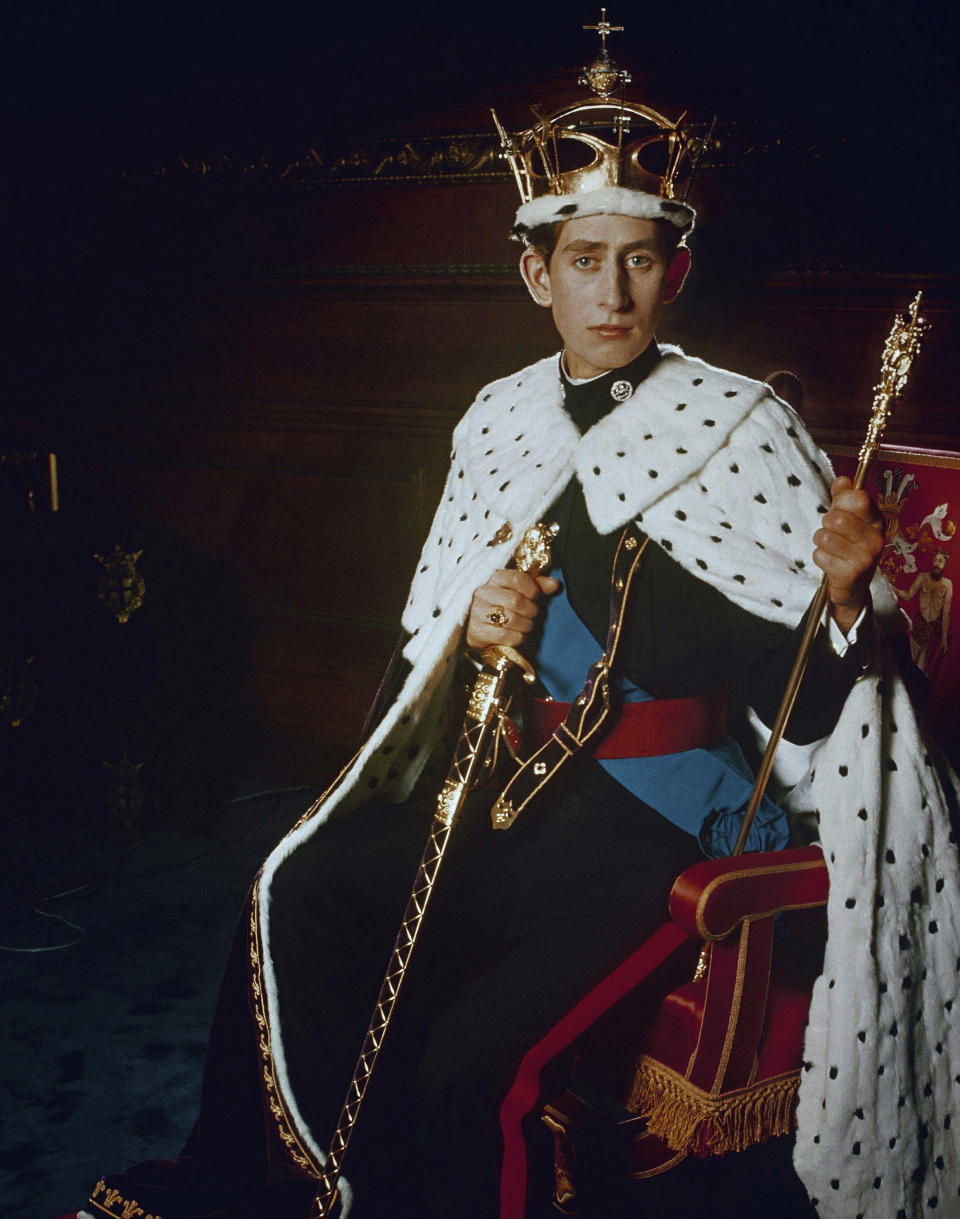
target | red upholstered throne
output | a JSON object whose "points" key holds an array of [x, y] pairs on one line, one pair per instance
{"points": [[721, 1063]]}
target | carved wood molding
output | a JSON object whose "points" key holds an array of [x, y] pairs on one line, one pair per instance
{"points": [[454, 157]]}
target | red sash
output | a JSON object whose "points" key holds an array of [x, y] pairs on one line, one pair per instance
{"points": [[642, 730]]}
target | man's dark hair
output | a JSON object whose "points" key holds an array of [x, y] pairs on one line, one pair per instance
{"points": [[943, 552], [544, 237]]}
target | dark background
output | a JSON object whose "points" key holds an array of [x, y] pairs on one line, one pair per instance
{"points": [[106, 84], [249, 371], [853, 107]]}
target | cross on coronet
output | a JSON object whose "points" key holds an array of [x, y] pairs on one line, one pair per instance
{"points": [[603, 28]]}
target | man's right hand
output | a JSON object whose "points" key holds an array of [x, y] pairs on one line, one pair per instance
{"points": [[512, 595]]}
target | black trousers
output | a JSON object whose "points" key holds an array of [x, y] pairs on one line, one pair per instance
{"points": [[521, 924]]}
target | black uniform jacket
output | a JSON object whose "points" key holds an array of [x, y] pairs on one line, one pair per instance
{"points": [[681, 635]]}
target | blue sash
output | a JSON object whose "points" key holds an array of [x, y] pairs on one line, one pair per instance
{"points": [[703, 791]]}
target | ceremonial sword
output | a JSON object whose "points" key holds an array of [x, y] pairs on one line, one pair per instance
{"points": [[484, 711]]}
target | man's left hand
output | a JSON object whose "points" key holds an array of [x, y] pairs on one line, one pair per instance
{"points": [[848, 545]]}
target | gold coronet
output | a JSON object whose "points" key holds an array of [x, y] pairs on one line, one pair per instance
{"points": [[647, 151]]}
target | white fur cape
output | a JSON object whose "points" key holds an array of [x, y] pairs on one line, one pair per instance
{"points": [[723, 475]]}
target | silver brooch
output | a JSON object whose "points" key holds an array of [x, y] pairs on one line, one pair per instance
{"points": [[620, 391]]}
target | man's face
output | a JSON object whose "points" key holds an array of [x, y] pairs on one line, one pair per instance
{"points": [[937, 566], [606, 283]]}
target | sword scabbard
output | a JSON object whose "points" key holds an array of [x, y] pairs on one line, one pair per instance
{"points": [[484, 708]]}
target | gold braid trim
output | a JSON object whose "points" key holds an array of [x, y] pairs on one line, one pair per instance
{"points": [[114, 1205], [285, 1127], [318, 804], [690, 1120], [284, 1123]]}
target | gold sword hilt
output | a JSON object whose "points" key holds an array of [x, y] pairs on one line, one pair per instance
{"points": [[533, 557], [486, 702], [502, 657]]}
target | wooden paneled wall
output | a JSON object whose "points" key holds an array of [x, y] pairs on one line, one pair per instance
{"points": [[275, 375]]}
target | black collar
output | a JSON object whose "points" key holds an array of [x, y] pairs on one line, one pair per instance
{"points": [[586, 404]]}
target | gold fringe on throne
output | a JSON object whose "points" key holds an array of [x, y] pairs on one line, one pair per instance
{"points": [[690, 1120]]}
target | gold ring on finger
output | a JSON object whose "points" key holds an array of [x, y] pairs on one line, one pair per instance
{"points": [[497, 616]]}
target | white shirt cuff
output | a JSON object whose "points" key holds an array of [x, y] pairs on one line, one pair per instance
{"points": [[838, 640]]}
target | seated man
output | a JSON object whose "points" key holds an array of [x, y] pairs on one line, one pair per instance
{"points": [[714, 489]]}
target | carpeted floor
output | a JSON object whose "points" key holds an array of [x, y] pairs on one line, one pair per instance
{"points": [[120, 938]]}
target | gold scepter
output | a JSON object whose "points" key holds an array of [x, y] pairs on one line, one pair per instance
{"points": [[903, 343], [484, 710]]}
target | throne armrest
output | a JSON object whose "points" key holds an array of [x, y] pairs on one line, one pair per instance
{"points": [[710, 899]]}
